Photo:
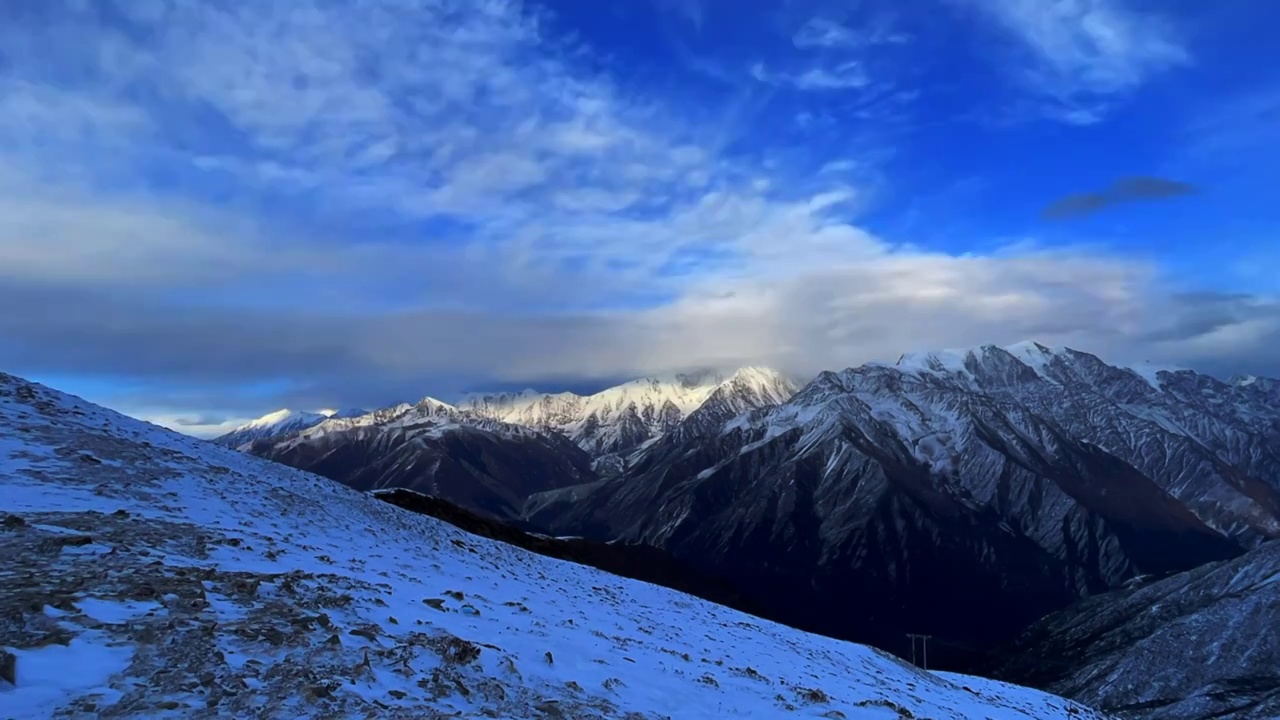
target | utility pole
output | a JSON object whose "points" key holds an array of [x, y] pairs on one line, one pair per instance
{"points": [[924, 649]]}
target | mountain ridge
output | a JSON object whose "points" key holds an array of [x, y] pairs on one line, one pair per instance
{"points": [[1076, 475]]}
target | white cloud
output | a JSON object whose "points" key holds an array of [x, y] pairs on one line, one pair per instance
{"points": [[555, 226], [1086, 52], [821, 33], [849, 75]]}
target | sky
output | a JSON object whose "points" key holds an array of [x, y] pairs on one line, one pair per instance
{"points": [[211, 209]]}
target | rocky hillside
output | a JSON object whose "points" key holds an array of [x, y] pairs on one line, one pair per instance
{"points": [[1194, 646], [153, 575]]}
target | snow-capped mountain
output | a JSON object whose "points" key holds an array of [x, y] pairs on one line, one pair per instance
{"points": [[1009, 481], [149, 574], [623, 418], [1197, 645], [433, 448], [280, 422], [493, 451]]}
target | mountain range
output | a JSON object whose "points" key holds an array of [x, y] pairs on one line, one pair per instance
{"points": [[492, 451], [963, 494], [1009, 481], [150, 574]]}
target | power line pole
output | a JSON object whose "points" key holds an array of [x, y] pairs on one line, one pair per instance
{"points": [[924, 649]]}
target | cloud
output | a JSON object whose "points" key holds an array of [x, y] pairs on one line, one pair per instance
{"points": [[809, 292], [1125, 190], [356, 206], [1085, 54], [821, 33], [849, 75], [199, 420], [1235, 130]]}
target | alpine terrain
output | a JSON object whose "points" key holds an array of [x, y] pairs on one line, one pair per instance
{"points": [[962, 493], [494, 451], [149, 574]]}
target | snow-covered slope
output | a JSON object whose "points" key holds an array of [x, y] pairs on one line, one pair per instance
{"points": [[1009, 481], [148, 574], [1194, 646], [280, 422], [625, 417]]}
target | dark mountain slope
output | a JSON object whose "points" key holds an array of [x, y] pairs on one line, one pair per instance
{"points": [[1197, 645], [484, 465]]}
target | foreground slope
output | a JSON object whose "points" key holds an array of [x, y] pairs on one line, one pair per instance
{"points": [[150, 574], [1197, 645]]}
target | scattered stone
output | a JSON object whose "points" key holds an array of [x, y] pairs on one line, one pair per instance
{"points": [[8, 667], [550, 708], [14, 521], [437, 603]]}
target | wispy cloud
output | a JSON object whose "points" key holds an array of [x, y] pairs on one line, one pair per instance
{"points": [[848, 75], [1086, 54], [822, 33]]}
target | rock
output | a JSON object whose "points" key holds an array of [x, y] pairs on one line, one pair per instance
{"points": [[8, 667], [14, 521]]}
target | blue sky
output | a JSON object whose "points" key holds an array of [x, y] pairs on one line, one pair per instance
{"points": [[213, 209]]}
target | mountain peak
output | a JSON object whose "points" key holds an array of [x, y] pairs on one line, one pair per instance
{"points": [[278, 417], [279, 422]]}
